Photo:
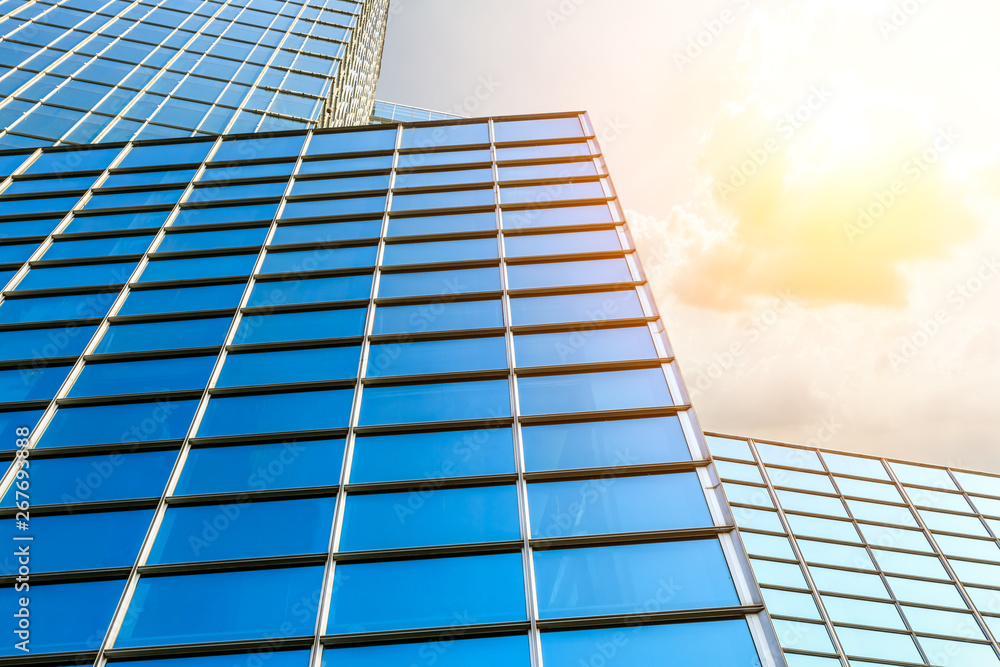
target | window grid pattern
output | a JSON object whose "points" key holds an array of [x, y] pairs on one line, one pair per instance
{"points": [[74, 72], [367, 330], [864, 560]]}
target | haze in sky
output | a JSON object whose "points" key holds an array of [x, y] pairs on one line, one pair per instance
{"points": [[813, 187]]}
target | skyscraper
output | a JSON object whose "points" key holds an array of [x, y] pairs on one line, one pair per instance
{"points": [[83, 71], [366, 396]]}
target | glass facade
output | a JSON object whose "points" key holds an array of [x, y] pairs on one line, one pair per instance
{"points": [[865, 561], [88, 71], [383, 396], [390, 112]]}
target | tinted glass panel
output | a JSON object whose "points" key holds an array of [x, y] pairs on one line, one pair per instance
{"points": [[439, 283], [439, 356], [182, 299], [432, 455], [276, 413], [137, 377], [329, 231], [201, 267], [435, 402], [440, 251], [277, 367], [599, 444], [486, 652], [440, 316], [575, 307], [164, 335], [127, 245], [442, 224], [310, 291], [31, 384], [230, 238], [46, 309], [300, 326], [110, 424], [580, 347], [524, 276], [584, 392], [318, 260]]}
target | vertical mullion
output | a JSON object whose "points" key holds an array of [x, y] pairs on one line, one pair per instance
{"points": [[326, 591]]}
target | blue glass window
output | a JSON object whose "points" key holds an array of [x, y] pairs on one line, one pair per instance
{"points": [[200, 267], [164, 335], [584, 392], [542, 128], [604, 444], [84, 541], [617, 505], [317, 290], [144, 178], [241, 530], [277, 367], [49, 308], [440, 251], [709, 644], [378, 162], [182, 299], [31, 384], [435, 200], [16, 254], [344, 184], [439, 283], [65, 617], [209, 193], [106, 247], [228, 238], [44, 343], [582, 347], [326, 232], [537, 194], [311, 325], [558, 274], [424, 179], [124, 199], [537, 218], [558, 171], [98, 478], [9, 230], [221, 606], [427, 593], [436, 356], [166, 154], [110, 424], [443, 516], [99, 223], [511, 651], [435, 402], [411, 456], [352, 142], [445, 135], [74, 276], [561, 244], [542, 151], [440, 158], [440, 316], [275, 658], [319, 259], [621, 579], [277, 413], [233, 172], [222, 214], [285, 465], [443, 224], [11, 421], [41, 185], [138, 377], [324, 208], [590, 307], [73, 159], [258, 148]]}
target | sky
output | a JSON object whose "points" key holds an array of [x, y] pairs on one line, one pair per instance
{"points": [[812, 186]]}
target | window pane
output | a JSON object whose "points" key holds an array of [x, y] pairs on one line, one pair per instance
{"points": [[440, 251], [138, 377], [789, 456], [583, 392], [286, 465], [848, 583], [221, 606], [375, 163], [277, 413], [435, 402], [484, 652], [182, 299], [65, 617], [326, 232], [275, 658], [561, 244], [97, 478], [863, 612], [31, 384], [425, 159], [47, 309], [387, 458], [710, 644], [535, 218], [319, 259], [879, 645], [300, 326], [558, 274], [73, 276], [621, 579], [277, 367], [427, 593], [84, 541], [109, 424], [439, 517], [439, 316], [582, 347], [164, 335], [315, 290], [436, 356], [44, 343], [201, 267], [442, 224], [229, 238], [617, 505], [436, 200], [243, 530], [439, 283], [544, 128], [107, 247]]}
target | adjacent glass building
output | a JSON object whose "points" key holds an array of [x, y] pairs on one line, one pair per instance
{"points": [[87, 71], [864, 561], [395, 395]]}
